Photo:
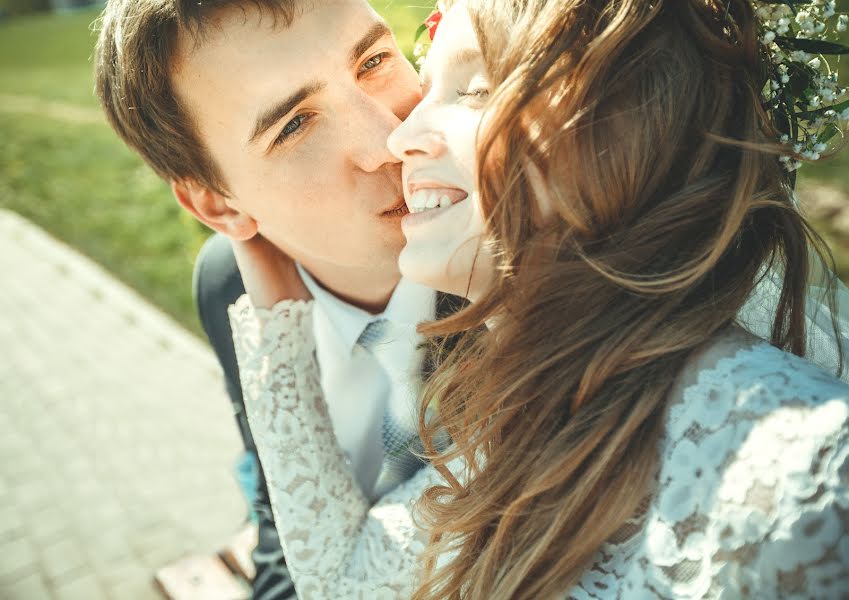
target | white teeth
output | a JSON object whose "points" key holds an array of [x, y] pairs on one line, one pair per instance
{"points": [[419, 200], [424, 200]]}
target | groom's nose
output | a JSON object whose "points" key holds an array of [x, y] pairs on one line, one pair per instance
{"points": [[370, 123]]}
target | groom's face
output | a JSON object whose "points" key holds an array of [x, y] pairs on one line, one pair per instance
{"points": [[297, 118]]}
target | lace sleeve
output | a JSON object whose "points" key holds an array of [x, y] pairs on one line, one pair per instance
{"points": [[753, 498], [337, 545]]}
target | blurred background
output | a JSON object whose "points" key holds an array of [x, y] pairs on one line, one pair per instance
{"points": [[117, 446]]}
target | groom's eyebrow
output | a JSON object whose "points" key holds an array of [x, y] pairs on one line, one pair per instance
{"points": [[371, 37], [272, 115]]}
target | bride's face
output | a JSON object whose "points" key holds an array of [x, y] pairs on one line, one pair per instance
{"points": [[436, 143]]}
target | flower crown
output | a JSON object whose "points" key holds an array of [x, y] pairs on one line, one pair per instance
{"points": [[430, 24], [803, 94]]}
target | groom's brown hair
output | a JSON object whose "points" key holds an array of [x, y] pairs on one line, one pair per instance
{"points": [[134, 58]]}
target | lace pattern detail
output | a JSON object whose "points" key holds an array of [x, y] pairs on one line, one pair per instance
{"points": [[751, 497], [337, 545]]}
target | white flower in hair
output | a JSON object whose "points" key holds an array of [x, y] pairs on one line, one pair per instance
{"points": [[803, 93]]}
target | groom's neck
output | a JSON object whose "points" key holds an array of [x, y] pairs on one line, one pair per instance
{"points": [[367, 290]]}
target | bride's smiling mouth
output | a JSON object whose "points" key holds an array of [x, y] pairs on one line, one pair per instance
{"points": [[429, 196]]}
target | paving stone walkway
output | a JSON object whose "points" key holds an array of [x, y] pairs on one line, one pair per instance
{"points": [[116, 437]]}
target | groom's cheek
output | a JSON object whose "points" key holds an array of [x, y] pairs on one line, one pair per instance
{"points": [[411, 102], [404, 93]]}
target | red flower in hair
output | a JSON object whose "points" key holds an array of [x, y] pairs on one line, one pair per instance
{"points": [[432, 22]]}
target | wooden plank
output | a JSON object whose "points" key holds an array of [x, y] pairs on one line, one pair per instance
{"points": [[237, 554], [199, 577]]}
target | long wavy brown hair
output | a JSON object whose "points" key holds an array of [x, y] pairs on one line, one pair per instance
{"points": [[641, 124]]}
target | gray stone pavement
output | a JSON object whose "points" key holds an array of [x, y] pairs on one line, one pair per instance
{"points": [[116, 437]]}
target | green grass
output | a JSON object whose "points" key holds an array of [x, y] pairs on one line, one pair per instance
{"points": [[82, 185], [48, 56], [78, 181], [94, 194], [404, 16], [833, 171]]}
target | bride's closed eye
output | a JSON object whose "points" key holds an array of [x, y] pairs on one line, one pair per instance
{"points": [[475, 93], [480, 93]]}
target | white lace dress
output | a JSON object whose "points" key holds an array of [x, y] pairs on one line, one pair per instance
{"points": [[752, 496]]}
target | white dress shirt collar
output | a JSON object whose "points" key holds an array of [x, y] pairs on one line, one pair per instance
{"points": [[410, 304], [357, 386]]}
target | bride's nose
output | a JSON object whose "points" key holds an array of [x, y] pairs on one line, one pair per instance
{"points": [[416, 137]]}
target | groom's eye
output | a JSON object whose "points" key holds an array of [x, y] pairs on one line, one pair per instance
{"points": [[373, 63], [292, 129]]}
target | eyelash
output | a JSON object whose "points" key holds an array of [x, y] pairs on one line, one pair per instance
{"points": [[479, 93], [382, 56], [286, 136]]}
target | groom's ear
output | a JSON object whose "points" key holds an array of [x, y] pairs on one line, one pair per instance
{"points": [[212, 209]]}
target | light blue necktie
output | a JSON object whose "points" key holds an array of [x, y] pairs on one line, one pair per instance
{"points": [[399, 432]]}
